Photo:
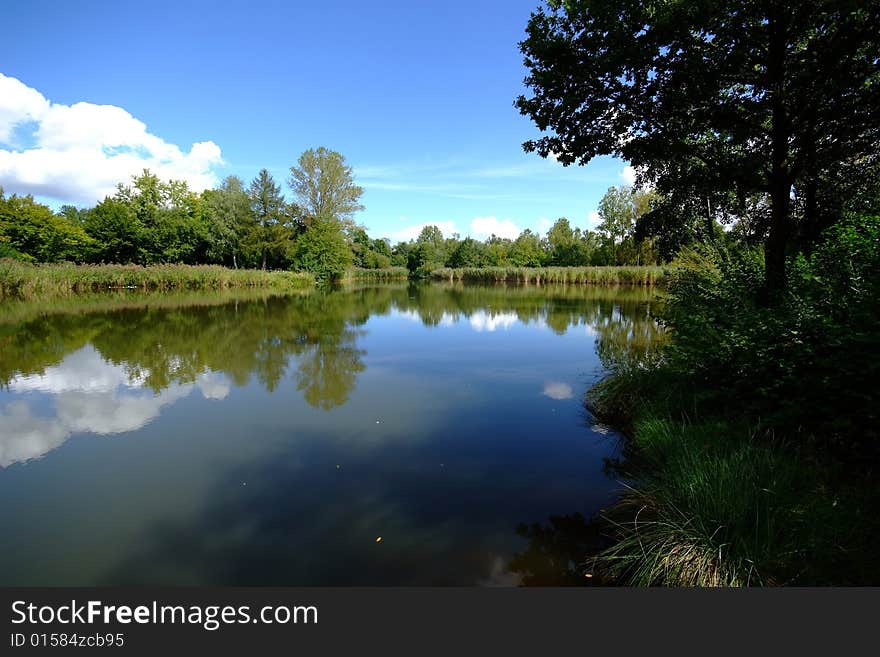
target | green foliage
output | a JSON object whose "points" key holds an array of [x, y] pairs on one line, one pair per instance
{"points": [[117, 232], [552, 275], [32, 231], [526, 250], [323, 251], [228, 217], [728, 106], [809, 360], [323, 186], [754, 437], [269, 234]]}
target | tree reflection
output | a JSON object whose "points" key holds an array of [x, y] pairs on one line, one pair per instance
{"points": [[312, 337], [558, 553]]}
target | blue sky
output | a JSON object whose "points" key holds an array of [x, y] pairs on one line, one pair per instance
{"points": [[417, 96]]}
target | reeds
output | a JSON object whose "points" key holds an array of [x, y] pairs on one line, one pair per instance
{"points": [[648, 276], [376, 275], [24, 280]]}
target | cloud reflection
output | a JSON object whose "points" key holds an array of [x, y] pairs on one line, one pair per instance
{"points": [[558, 390], [91, 395], [483, 321]]}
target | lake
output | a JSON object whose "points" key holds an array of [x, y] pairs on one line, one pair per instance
{"points": [[382, 435]]}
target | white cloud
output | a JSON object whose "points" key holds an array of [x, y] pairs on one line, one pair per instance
{"points": [[483, 227], [81, 151], [593, 220], [628, 173], [412, 232], [558, 390], [18, 104]]}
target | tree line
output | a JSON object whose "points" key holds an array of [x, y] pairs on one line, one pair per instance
{"points": [[151, 221], [239, 225]]}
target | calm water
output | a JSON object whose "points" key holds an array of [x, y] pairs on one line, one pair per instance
{"points": [[258, 440]]}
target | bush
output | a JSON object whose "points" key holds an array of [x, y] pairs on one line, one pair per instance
{"points": [[808, 362], [323, 251]]}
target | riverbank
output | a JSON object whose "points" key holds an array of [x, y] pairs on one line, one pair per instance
{"points": [[648, 276], [25, 280], [715, 501], [753, 449]]}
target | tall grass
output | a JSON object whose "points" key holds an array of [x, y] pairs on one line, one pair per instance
{"points": [[711, 500], [358, 274], [544, 275], [711, 509], [24, 280]]}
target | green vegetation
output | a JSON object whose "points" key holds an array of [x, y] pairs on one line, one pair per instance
{"points": [[544, 275], [747, 470], [152, 222], [753, 444], [358, 274], [21, 279]]}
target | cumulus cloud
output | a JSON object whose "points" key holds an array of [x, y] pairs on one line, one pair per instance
{"points": [[628, 174], [594, 219], [412, 232], [483, 227], [81, 151]]}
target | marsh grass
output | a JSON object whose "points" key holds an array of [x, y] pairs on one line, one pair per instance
{"points": [[25, 280], [648, 276], [358, 274]]}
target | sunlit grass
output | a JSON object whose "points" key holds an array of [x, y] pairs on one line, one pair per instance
{"points": [[24, 280], [358, 274]]}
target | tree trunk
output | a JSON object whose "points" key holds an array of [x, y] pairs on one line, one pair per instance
{"points": [[264, 260], [780, 176]]}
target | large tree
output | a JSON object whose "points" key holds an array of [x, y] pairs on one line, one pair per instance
{"points": [[269, 235], [726, 99], [229, 216], [323, 187]]}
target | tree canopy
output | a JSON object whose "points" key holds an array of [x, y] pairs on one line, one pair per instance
{"points": [[323, 187], [741, 103]]}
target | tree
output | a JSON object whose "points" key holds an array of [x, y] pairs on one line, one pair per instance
{"points": [[170, 225], [228, 210], [322, 250], [526, 250], [468, 253], [619, 210], [117, 232], [269, 234], [33, 230], [323, 186], [728, 99]]}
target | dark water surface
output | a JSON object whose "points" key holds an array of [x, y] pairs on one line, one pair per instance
{"points": [[259, 440]]}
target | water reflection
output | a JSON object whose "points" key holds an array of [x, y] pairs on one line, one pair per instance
{"points": [[269, 439], [89, 394]]}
